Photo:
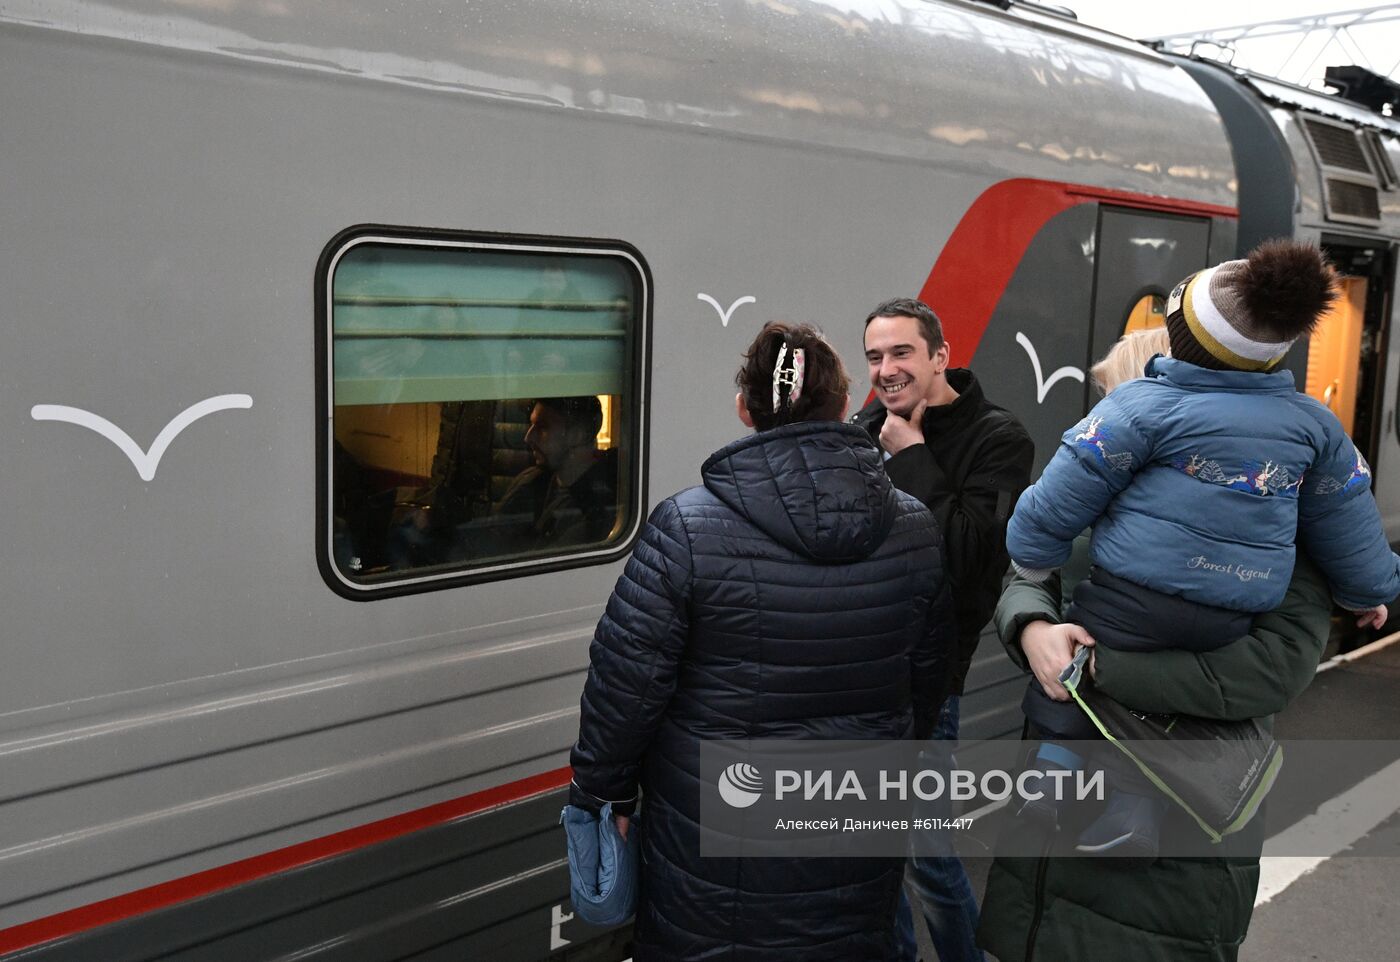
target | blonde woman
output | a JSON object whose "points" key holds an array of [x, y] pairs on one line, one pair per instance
{"points": [[1128, 357], [1060, 907], [1197, 480]]}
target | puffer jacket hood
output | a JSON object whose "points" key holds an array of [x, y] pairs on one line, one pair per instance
{"points": [[814, 487]]}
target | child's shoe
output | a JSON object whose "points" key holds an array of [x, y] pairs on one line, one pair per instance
{"points": [[1050, 757], [1130, 825]]}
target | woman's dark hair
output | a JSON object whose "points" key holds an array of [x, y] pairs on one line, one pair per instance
{"points": [[824, 380]]}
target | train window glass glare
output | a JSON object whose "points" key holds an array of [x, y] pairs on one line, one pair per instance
{"points": [[1150, 311], [484, 410]]}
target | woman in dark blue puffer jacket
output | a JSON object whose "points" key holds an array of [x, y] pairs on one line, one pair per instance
{"points": [[797, 595]]}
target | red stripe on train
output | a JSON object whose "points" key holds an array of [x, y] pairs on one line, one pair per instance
{"points": [[984, 250], [989, 242], [70, 923]]}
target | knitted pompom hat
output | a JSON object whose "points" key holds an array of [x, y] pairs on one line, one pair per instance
{"points": [[1245, 315]]}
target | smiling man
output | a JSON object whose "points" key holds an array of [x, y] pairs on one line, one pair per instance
{"points": [[968, 461]]}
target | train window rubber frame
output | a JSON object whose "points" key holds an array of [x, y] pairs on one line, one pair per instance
{"points": [[632, 473], [1385, 170]]}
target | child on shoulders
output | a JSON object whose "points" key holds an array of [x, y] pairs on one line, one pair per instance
{"points": [[1197, 480]]}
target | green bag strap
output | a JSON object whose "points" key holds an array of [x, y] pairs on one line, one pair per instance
{"points": [[1072, 677]]}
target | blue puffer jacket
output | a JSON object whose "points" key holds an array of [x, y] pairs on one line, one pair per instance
{"points": [[1198, 482], [795, 595]]}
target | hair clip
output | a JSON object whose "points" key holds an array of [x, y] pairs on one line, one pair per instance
{"points": [[791, 377]]}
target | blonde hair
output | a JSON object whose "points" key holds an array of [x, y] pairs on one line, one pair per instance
{"points": [[1126, 359]]}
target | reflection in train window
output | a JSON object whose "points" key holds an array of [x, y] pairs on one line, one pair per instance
{"points": [[485, 412], [1149, 311]]}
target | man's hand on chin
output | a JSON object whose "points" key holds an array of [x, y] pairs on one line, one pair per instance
{"points": [[900, 432]]}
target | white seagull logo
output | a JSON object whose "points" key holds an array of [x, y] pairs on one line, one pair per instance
{"points": [[1044, 384], [724, 315], [145, 461]]}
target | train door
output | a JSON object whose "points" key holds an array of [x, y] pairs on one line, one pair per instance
{"points": [[1115, 267], [1141, 256], [1346, 353]]}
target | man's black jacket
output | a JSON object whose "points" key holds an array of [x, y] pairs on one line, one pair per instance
{"points": [[974, 464]]}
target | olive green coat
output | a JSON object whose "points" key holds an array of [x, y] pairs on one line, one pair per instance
{"points": [[1076, 909]]}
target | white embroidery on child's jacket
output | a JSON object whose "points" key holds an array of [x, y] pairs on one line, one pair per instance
{"points": [[1360, 475], [1096, 438], [1267, 478]]}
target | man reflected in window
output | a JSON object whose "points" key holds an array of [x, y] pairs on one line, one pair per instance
{"points": [[568, 496]]}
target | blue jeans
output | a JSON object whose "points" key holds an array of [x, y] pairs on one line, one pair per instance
{"points": [[941, 884]]}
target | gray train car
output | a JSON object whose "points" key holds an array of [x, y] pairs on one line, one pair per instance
{"points": [[294, 637]]}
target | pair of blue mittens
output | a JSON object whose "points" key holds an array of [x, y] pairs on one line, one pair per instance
{"points": [[602, 866]]}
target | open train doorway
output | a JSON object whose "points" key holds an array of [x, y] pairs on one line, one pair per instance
{"points": [[1346, 370], [1346, 352]]}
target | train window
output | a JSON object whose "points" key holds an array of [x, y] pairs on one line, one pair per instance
{"points": [[1149, 311], [484, 406], [1384, 167]]}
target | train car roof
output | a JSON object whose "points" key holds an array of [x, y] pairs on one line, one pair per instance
{"points": [[1017, 92], [1329, 105], [1284, 94]]}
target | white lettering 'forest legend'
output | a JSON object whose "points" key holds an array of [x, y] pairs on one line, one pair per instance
{"points": [[1239, 571]]}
